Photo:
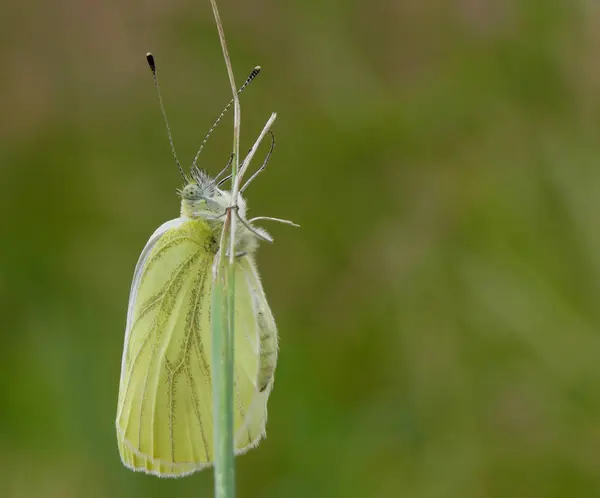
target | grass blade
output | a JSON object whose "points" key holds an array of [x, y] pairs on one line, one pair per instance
{"points": [[223, 306]]}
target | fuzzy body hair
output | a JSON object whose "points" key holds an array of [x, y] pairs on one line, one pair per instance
{"points": [[202, 198]]}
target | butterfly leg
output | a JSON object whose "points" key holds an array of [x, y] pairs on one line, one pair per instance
{"points": [[264, 164], [223, 171], [238, 254]]}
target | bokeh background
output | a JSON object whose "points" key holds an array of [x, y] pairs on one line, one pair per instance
{"points": [[438, 310]]}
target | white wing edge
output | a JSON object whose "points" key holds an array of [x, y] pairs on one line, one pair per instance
{"points": [[137, 275]]}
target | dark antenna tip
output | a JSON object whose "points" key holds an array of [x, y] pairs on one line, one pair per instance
{"points": [[150, 59]]}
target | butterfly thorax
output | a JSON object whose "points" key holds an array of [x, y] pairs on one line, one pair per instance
{"points": [[204, 200]]}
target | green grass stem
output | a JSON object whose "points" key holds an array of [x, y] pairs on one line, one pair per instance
{"points": [[223, 307]]}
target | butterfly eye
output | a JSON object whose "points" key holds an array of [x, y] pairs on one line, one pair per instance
{"points": [[192, 192]]}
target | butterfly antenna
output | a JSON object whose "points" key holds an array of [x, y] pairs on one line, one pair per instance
{"points": [[150, 59], [252, 75]]}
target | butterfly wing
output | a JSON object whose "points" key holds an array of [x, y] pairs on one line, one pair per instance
{"points": [[255, 355], [164, 417]]}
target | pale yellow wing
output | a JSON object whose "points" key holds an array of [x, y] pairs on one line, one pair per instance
{"points": [[255, 365], [164, 416]]}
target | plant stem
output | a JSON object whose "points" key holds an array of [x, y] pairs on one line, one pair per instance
{"points": [[222, 354], [223, 305]]}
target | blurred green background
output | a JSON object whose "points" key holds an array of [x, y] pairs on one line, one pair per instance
{"points": [[439, 308]]}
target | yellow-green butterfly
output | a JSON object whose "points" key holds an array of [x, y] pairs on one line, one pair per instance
{"points": [[165, 410]]}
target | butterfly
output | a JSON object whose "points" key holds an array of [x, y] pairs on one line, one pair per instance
{"points": [[164, 419]]}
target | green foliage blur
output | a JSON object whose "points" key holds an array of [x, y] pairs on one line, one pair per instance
{"points": [[438, 310]]}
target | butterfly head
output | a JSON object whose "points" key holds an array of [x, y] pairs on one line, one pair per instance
{"points": [[200, 187], [201, 197], [193, 192]]}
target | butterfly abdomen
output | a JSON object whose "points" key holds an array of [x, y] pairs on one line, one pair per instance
{"points": [[268, 353], [267, 334]]}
